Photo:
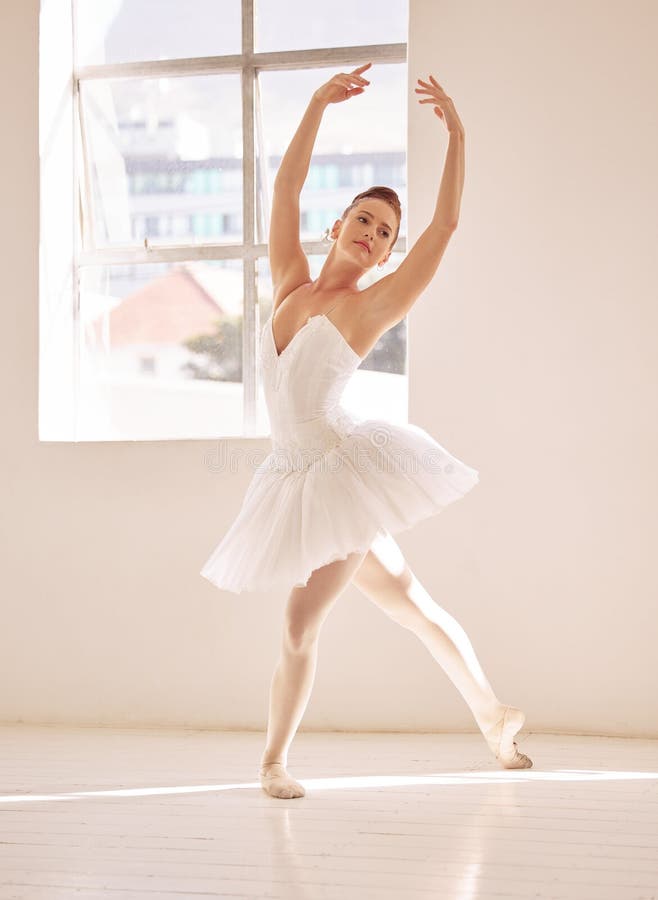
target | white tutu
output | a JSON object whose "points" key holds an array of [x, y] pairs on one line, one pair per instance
{"points": [[331, 484]]}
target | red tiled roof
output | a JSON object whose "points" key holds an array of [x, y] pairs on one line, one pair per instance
{"points": [[187, 301]]}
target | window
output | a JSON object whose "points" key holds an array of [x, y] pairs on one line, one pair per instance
{"points": [[155, 208]]}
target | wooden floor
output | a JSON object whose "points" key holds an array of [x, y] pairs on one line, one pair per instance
{"points": [[114, 814]]}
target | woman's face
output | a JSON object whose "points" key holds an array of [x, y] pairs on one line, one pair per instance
{"points": [[371, 224]]}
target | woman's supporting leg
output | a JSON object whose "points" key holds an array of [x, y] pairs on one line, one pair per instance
{"points": [[385, 578], [290, 690]]}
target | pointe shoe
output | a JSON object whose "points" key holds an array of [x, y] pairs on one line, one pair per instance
{"points": [[276, 782], [499, 736]]}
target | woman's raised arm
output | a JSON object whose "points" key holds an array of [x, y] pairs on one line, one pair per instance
{"points": [[397, 292], [297, 158], [288, 263], [446, 214]]}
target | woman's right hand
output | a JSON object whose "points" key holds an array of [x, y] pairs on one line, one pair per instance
{"points": [[340, 87]]}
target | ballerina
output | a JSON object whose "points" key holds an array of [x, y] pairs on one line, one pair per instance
{"points": [[321, 510]]}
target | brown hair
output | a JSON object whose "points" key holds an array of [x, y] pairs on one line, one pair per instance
{"points": [[381, 193]]}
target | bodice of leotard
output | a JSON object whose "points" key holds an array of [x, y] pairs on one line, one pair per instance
{"points": [[303, 385]]}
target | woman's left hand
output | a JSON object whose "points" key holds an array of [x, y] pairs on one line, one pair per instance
{"points": [[443, 105]]}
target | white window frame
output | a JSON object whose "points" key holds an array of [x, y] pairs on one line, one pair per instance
{"points": [[84, 251]]}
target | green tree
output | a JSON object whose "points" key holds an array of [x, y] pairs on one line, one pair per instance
{"points": [[219, 353]]}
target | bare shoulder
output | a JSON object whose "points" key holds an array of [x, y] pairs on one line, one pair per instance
{"points": [[394, 295]]}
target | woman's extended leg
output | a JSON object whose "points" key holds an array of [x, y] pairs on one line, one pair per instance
{"points": [[306, 610], [385, 578]]}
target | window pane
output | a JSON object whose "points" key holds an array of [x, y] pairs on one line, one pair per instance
{"points": [[161, 351], [164, 159], [113, 31], [360, 143], [340, 23]]}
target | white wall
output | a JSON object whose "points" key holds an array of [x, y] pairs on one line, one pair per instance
{"points": [[540, 328]]}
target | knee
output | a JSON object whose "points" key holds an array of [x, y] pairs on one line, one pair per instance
{"points": [[405, 613], [300, 636], [397, 599]]}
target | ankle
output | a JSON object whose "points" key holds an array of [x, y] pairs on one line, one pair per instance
{"points": [[489, 718], [265, 763]]}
